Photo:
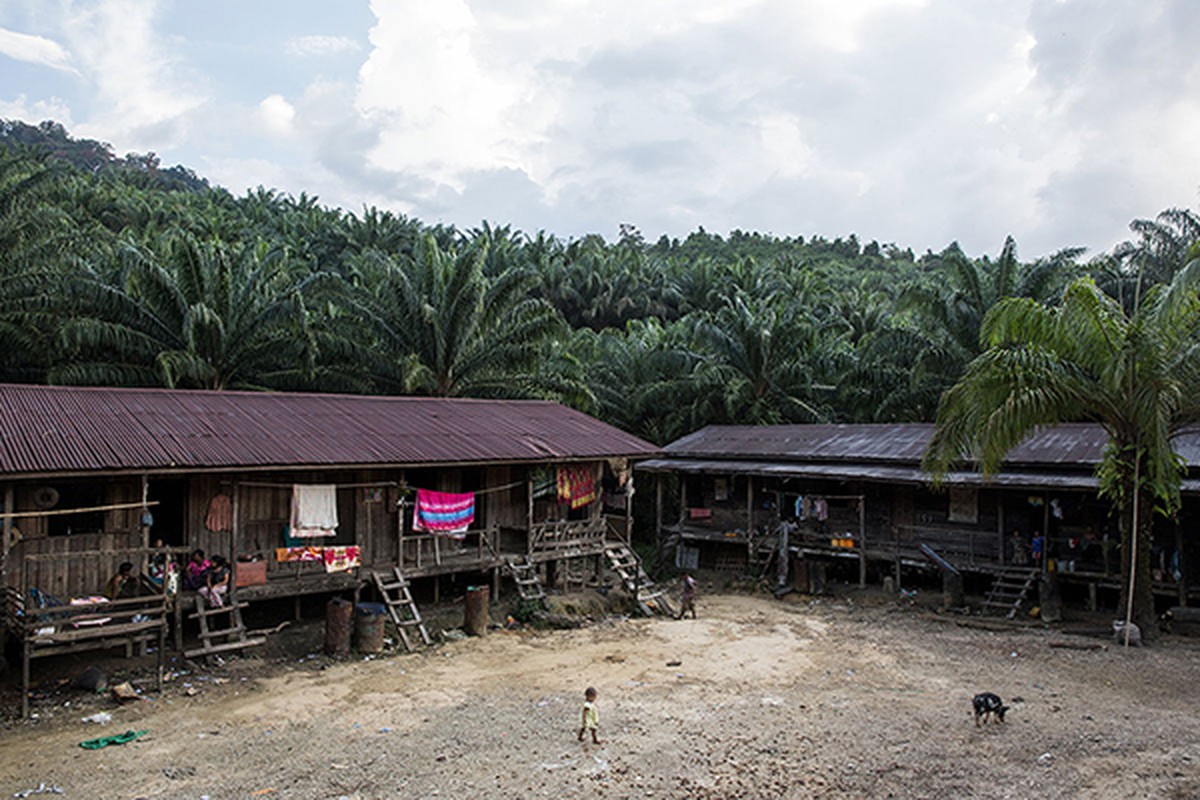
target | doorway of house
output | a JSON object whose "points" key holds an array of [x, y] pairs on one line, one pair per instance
{"points": [[170, 513]]}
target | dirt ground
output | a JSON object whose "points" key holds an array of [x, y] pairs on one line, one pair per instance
{"points": [[791, 698]]}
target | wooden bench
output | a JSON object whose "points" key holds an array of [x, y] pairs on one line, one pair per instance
{"points": [[79, 627]]}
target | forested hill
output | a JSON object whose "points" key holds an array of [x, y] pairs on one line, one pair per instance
{"points": [[118, 271]]}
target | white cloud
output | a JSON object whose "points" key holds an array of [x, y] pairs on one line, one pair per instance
{"points": [[145, 93], [35, 50], [913, 121], [277, 114], [321, 46], [36, 111]]}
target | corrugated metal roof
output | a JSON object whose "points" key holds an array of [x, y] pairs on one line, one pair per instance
{"points": [[47, 429], [1065, 456], [1075, 445]]}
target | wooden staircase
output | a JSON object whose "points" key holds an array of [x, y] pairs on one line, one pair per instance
{"points": [[525, 574], [651, 599], [763, 552], [397, 596], [1010, 590], [221, 629]]}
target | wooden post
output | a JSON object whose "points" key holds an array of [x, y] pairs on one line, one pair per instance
{"points": [[1181, 584], [400, 525], [145, 508], [529, 518], [1000, 525], [658, 509], [1045, 533], [749, 505], [628, 512], [862, 541], [234, 538], [6, 535]]}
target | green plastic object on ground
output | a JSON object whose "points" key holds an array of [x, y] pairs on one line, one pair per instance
{"points": [[105, 741]]}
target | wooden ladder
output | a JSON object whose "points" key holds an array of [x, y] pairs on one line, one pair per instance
{"points": [[215, 639], [525, 574], [650, 598], [397, 596], [1010, 590], [763, 552]]}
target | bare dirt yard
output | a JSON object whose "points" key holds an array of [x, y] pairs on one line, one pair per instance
{"points": [[792, 698]]}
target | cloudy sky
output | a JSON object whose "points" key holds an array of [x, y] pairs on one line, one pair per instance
{"points": [[917, 122]]}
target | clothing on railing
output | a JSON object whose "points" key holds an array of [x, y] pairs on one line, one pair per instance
{"points": [[340, 559], [444, 513], [289, 554]]}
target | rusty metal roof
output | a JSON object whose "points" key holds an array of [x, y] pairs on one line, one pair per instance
{"points": [[1071, 445], [1065, 455], [55, 429]]}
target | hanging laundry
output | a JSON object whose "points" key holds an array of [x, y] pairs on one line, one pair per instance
{"points": [[806, 507], [820, 509], [799, 510], [340, 559], [445, 513], [576, 484], [286, 554], [314, 511], [1056, 509], [219, 518]]}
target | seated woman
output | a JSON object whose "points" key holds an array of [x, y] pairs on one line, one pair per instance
{"points": [[217, 582], [195, 574]]}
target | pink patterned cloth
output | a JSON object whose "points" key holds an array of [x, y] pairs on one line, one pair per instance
{"points": [[443, 512]]}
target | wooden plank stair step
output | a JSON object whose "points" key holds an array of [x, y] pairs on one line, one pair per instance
{"points": [[207, 611], [223, 648], [1010, 590], [628, 567]]}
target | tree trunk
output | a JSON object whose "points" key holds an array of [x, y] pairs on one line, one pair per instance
{"points": [[1143, 591]]}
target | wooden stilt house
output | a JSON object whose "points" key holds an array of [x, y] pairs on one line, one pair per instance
{"points": [[93, 477], [729, 497]]}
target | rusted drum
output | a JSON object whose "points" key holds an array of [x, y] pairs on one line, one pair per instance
{"points": [[338, 612], [476, 621], [368, 627]]}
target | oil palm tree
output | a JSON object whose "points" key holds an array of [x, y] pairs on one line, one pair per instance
{"points": [[1137, 375], [951, 303], [190, 314], [764, 362], [439, 326]]}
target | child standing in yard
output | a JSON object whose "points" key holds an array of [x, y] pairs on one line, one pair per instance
{"points": [[687, 600], [589, 719]]}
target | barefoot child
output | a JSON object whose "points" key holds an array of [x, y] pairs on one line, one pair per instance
{"points": [[589, 720], [687, 601]]}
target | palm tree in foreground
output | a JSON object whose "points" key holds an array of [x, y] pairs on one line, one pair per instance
{"points": [[1137, 375]]}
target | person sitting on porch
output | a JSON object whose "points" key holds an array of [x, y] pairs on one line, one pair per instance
{"points": [[1018, 554], [123, 584], [195, 575], [217, 582]]}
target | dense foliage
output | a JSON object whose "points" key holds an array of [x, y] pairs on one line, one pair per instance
{"points": [[117, 271]]}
